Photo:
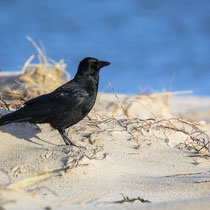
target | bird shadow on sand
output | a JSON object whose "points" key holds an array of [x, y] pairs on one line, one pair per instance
{"points": [[25, 131]]}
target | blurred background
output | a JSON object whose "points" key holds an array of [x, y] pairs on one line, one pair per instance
{"points": [[152, 44]]}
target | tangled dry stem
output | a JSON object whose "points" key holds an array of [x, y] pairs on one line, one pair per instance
{"points": [[11, 100], [196, 139]]}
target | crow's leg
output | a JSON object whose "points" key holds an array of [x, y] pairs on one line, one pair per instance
{"points": [[65, 137]]}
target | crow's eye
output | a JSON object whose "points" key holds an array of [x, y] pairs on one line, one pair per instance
{"points": [[94, 64]]}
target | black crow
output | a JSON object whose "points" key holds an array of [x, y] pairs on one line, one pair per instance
{"points": [[65, 106]]}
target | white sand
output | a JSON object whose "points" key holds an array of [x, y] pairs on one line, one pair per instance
{"points": [[35, 173], [99, 183]]}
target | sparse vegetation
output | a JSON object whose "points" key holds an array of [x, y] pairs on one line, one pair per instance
{"points": [[43, 77]]}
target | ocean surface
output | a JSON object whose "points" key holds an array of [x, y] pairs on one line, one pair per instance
{"points": [[153, 45]]}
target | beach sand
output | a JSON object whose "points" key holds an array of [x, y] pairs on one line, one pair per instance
{"points": [[137, 152]]}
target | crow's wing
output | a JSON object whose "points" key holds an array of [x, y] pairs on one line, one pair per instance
{"points": [[73, 96], [66, 97], [37, 99]]}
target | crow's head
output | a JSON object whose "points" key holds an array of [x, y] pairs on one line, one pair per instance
{"points": [[90, 66]]}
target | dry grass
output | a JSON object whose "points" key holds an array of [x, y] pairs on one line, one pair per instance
{"points": [[196, 139], [35, 79], [11, 100]]}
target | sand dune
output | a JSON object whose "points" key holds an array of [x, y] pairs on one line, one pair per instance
{"points": [[135, 154]]}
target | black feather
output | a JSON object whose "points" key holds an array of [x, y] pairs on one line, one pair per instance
{"points": [[66, 105]]}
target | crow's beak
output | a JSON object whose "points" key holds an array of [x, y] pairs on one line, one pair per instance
{"points": [[101, 64]]}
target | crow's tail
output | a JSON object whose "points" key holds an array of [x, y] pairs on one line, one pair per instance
{"points": [[4, 120], [12, 117]]}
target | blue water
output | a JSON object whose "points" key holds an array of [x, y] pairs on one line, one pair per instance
{"points": [[152, 44]]}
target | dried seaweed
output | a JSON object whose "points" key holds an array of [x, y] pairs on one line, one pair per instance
{"points": [[126, 199]]}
